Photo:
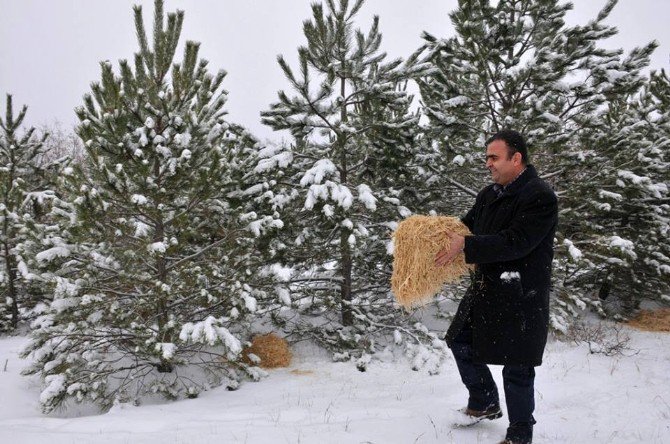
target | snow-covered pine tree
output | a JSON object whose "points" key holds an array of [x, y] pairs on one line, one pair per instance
{"points": [[25, 177], [624, 220], [655, 105], [343, 183], [516, 64], [653, 195], [151, 291]]}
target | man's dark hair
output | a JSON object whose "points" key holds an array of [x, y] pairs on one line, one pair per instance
{"points": [[515, 143]]}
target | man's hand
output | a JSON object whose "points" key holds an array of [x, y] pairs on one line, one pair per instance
{"points": [[447, 254]]}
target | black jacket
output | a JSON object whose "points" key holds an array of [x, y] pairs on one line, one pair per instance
{"points": [[512, 247]]}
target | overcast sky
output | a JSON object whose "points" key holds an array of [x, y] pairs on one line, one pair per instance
{"points": [[50, 49]]}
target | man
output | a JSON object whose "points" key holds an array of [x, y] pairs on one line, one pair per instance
{"points": [[503, 317]]}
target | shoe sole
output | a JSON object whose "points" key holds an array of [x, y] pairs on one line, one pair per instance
{"points": [[477, 420], [493, 416]]}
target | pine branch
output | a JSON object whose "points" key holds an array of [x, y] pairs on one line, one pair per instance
{"points": [[196, 255]]}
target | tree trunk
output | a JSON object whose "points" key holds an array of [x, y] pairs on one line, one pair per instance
{"points": [[11, 286], [345, 288], [345, 248], [164, 366]]}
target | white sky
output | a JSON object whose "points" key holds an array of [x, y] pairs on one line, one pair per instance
{"points": [[50, 49]]}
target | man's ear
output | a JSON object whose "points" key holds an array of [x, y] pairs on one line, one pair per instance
{"points": [[517, 158]]}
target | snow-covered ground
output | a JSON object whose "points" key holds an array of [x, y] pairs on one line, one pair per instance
{"points": [[580, 398]]}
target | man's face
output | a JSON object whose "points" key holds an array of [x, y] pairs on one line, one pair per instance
{"points": [[503, 168]]}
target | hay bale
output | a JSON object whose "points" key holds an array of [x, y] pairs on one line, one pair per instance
{"points": [[417, 240], [267, 351], [652, 320]]}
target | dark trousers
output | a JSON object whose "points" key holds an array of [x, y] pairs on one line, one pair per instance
{"points": [[518, 381]]}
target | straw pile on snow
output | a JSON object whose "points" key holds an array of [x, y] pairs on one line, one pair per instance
{"points": [[416, 241], [267, 351], [652, 320]]}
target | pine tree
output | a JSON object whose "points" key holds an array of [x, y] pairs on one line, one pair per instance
{"points": [[24, 187], [655, 106], [624, 220], [516, 64], [342, 184], [152, 275]]}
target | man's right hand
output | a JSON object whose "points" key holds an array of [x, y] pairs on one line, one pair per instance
{"points": [[447, 254]]}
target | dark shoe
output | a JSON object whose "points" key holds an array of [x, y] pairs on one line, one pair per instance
{"points": [[467, 416], [520, 433]]}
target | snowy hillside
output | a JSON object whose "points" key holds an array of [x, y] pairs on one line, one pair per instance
{"points": [[581, 398]]}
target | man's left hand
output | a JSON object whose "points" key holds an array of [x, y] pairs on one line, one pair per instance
{"points": [[447, 254]]}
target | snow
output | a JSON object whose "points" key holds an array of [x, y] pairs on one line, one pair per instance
{"points": [[365, 196], [157, 247], [254, 189], [509, 276], [39, 196], [613, 75], [23, 270], [404, 211], [456, 101], [215, 132], [551, 117], [575, 253], [315, 192], [339, 193], [658, 190], [210, 332], [637, 180], [315, 175], [609, 195], [166, 349], [580, 397], [273, 157], [458, 160], [182, 139], [55, 384], [163, 151], [280, 272], [141, 229], [284, 296], [138, 199], [626, 246], [265, 223], [52, 253], [250, 303]]}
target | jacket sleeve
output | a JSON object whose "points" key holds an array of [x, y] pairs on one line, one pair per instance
{"points": [[536, 216], [469, 218]]}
